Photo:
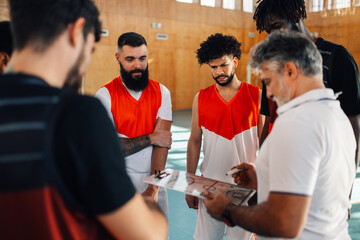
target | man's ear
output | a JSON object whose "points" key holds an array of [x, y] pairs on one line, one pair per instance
{"points": [[235, 62], [76, 31], [291, 71], [117, 56]]}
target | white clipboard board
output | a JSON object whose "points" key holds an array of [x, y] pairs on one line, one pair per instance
{"points": [[195, 185]]}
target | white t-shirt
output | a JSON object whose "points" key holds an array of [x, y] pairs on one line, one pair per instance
{"points": [[311, 152]]}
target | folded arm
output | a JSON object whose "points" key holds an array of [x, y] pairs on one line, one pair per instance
{"points": [[160, 137]]}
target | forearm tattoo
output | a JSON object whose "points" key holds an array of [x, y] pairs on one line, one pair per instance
{"points": [[134, 145]]}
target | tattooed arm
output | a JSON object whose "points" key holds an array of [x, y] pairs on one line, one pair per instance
{"points": [[160, 138], [134, 145]]}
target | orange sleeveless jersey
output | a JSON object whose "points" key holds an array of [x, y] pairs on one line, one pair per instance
{"points": [[228, 119], [134, 118]]}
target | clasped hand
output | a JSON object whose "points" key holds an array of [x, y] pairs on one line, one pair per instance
{"points": [[161, 137]]}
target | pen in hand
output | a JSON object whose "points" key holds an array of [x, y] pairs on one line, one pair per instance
{"points": [[235, 170]]}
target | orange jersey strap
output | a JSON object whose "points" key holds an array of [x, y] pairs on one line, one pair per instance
{"points": [[228, 119], [133, 117]]}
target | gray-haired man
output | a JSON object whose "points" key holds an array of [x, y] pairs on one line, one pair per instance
{"points": [[297, 176]]}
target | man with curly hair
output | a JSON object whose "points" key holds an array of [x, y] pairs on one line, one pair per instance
{"points": [[227, 115], [340, 71]]}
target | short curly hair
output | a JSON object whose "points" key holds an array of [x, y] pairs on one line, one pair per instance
{"points": [[283, 9], [217, 46]]}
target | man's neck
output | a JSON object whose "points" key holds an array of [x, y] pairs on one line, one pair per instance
{"points": [[306, 31], [52, 65], [306, 84], [229, 91], [43, 65]]}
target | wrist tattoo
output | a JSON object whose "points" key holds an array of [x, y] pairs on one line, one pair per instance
{"points": [[134, 145], [147, 139]]}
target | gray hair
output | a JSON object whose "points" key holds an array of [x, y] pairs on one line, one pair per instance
{"points": [[288, 46]]}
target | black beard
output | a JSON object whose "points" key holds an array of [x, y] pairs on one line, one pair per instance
{"points": [[136, 84], [74, 78], [230, 78]]}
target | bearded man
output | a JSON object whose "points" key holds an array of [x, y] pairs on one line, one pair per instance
{"points": [[140, 109], [227, 114]]}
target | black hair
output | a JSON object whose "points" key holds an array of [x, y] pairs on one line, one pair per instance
{"points": [[39, 22], [217, 46], [132, 39], [6, 44], [284, 9], [283, 46]]}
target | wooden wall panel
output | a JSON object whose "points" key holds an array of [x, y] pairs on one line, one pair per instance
{"points": [[172, 62], [339, 27], [4, 10], [158, 9], [188, 79], [161, 67], [102, 69]]}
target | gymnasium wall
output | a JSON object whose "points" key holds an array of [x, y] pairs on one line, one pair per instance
{"points": [[173, 62], [339, 26], [4, 10]]}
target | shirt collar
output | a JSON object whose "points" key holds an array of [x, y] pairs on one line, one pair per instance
{"points": [[310, 96]]}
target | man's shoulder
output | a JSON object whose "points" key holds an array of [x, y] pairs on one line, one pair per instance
{"points": [[250, 86], [27, 86], [164, 89], [330, 50], [111, 82], [319, 42], [103, 91], [327, 47], [83, 99], [250, 90], [17, 79], [154, 85], [79, 114], [81, 105], [207, 89]]}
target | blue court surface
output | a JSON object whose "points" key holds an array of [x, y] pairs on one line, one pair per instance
{"points": [[182, 220]]}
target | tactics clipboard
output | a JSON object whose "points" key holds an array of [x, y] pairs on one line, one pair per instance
{"points": [[195, 185]]}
